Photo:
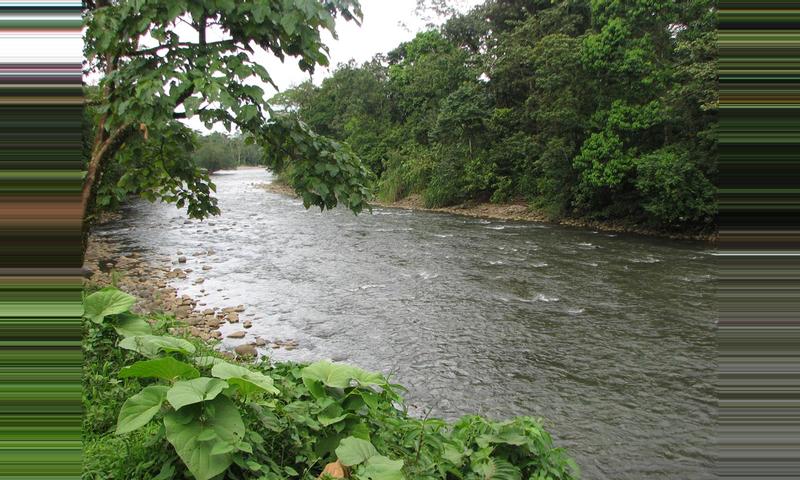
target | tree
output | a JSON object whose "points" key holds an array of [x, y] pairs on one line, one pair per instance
{"points": [[152, 76]]}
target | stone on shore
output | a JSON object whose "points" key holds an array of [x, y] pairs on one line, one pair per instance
{"points": [[246, 350], [237, 334]]}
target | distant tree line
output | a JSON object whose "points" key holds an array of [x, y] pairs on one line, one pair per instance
{"points": [[586, 108], [222, 152]]}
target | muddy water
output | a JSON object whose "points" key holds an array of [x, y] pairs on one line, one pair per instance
{"points": [[608, 338]]}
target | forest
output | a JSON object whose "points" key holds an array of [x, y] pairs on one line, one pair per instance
{"points": [[603, 110]]}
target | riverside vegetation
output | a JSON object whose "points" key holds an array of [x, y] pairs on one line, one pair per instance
{"points": [[599, 110], [160, 406]]}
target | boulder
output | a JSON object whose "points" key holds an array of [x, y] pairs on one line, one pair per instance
{"points": [[246, 350], [237, 334]]}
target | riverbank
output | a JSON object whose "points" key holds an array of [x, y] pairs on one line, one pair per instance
{"points": [[147, 278], [518, 211]]}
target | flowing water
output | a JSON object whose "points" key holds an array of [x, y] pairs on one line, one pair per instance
{"points": [[608, 338]]}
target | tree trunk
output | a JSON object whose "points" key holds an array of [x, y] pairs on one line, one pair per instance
{"points": [[104, 148]]}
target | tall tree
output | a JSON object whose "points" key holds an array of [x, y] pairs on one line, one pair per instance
{"points": [[161, 61]]}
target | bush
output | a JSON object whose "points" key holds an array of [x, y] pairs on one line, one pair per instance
{"points": [[185, 411], [674, 191]]}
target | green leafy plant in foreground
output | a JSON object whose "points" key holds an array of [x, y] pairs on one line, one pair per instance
{"points": [[184, 411]]}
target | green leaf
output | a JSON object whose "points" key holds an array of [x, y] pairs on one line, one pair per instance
{"points": [[332, 375], [206, 435], [141, 408], [130, 325], [198, 456], [166, 368], [108, 301], [207, 361], [352, 451], [244, 377], [332, 414], [339, 375], [379, 467], [152, 345], [368, 378], [498, 469], [188, 392]]}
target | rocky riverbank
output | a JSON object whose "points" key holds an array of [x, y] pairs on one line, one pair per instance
{"points": [[148, 278], [518, 211]]}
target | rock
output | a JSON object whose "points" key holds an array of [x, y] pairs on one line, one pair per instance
{"points": [[237, 334], [213, 323], [289, 347], [247, 324], [239, 308], [233, 317], [260, 342], [199, 281], [246, 350], [206, 267], [208, 311], [181, 259]]}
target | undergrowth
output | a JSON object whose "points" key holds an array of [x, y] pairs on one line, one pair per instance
{"points": [[161, 407]]}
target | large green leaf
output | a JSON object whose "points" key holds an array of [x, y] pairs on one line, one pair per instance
{"points": [[338, 375], [331, 374], [378, 467], [197, 390], [165, 368], [108, 301], [243, 377], [352, 451], [152, 345], [206, 446], [130, 325], [140, 408]]}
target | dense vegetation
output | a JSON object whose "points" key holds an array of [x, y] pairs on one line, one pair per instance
{"points": [[222, 152], [163, 407], [599, 109]]}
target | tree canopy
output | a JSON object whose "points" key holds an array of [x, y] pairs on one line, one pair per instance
{"points": [[584, 108], [161, 61]]}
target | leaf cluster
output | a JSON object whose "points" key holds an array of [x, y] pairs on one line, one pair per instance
{"points": [[205, 417]]}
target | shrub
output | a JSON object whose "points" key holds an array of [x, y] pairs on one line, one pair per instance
{"points": [[190, 413]]}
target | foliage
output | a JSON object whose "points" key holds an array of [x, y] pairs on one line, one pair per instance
{"points": [[152, 78], [575, 105], [221, 152], [178, 409]]}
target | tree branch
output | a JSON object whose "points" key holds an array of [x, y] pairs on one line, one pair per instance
{"points": [[154, 50]]}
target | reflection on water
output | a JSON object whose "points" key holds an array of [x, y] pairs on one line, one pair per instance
{"points": [[609, 338]]}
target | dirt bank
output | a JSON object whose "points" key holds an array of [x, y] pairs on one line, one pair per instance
{"points": [[515, 212]]}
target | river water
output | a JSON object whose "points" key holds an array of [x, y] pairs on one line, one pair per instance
{"points": [[608, 338]]}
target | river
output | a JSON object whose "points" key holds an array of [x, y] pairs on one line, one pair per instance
{"points": [[610, 339]]}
